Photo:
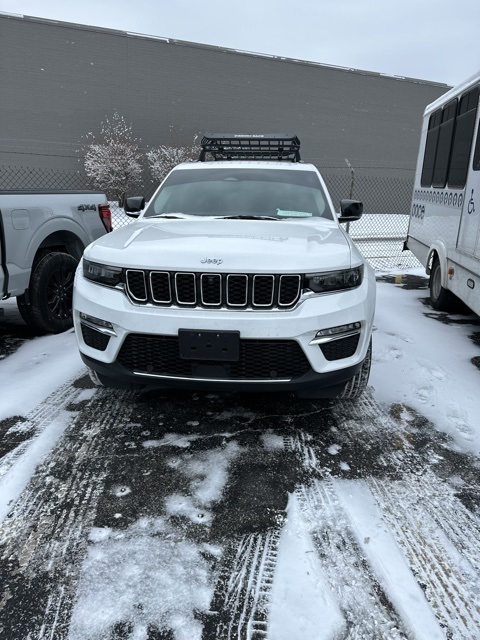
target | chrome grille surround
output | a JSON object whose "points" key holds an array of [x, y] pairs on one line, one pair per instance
{"points": [[136, 285], [231, 279], [296, 282], [185, 289], [263, 289], [160, 280], [213, 290]]}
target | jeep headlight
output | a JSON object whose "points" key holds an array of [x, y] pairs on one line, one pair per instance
{"points": [[102, 273], [334, 280]]}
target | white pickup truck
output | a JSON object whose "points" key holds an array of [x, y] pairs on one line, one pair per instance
{"points": [[237, 276], [42, 238]]}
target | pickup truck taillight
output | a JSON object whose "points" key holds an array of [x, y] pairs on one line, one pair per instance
{"points": [[106, 216]]}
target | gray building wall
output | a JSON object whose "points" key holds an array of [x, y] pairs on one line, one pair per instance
{"points": [[59, 81]]}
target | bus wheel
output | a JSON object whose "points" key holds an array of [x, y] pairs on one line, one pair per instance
{"points": [[441, 299]]}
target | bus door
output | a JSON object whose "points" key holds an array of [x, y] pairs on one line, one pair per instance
{"points": [[469, 232]]}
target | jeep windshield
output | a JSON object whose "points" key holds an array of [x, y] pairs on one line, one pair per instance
{"points": [[237, 193]]}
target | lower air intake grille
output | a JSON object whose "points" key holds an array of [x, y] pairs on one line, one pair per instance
{"points": [[259, 359], [94, 339], [338, 349]]}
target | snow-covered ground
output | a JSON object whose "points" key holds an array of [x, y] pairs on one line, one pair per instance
{"points": [[427, 365], [386, 551]]}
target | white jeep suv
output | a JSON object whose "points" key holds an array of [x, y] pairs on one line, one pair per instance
{"points": [[237, 276]]}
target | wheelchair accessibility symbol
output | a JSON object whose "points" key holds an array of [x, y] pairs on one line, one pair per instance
{"points": [[471, 204]]}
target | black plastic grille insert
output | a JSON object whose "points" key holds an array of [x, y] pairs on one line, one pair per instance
{"points": [[93, 338], [339, 349], [259, 359]]}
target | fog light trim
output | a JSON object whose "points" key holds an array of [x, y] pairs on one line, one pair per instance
{"points": [[102, 326], [336, 333]]}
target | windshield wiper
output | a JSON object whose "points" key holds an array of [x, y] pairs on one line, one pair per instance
{"points": [[246, 217], [178, 216], [181, 216]]}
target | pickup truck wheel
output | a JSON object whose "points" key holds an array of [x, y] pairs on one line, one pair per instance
{"points": [[441, 299], [50, 293], [25, 310], [357, 385]]}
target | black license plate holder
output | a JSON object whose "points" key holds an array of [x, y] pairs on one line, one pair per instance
{"points": [[209, 345]]}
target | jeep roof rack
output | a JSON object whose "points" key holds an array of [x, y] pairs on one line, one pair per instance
{"points": [[239, 146]]}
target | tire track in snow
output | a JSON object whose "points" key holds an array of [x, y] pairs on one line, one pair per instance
{"points": [[441, 541], [439, 537], [367, 610], [9, 459], [44, 538], [37, 421], [239, 607]]}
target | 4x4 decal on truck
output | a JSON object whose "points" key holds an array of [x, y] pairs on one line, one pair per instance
{"points": [[87, 207]]}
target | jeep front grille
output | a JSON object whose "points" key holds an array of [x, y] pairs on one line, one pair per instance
{"points": [[213, 290]]}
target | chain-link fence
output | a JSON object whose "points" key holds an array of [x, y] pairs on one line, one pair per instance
{"points": [[379, 234], [381, 231], [378, 194], [27, 178]]}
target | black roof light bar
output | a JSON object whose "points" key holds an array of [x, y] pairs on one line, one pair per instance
{"points": [[236, 146]]}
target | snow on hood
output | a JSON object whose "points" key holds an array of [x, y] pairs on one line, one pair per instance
{"points": [[232, 245]]}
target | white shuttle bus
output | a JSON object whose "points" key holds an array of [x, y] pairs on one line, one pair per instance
{"points": [[444, 227]]}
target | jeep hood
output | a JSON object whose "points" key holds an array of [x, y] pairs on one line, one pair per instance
{"points": [[210, 244]]}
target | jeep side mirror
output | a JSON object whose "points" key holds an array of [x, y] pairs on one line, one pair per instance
{"points": [[134, 205], [350, 210]]}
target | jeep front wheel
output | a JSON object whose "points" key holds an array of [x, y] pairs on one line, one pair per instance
{"points": [[356, 386]]}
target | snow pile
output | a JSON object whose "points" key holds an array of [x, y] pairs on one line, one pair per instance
{"points": [[146, 578]]}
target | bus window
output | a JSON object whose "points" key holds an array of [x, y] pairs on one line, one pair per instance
{"points": [[445, 137], [431, 148], [462, 143], [476, 155]]}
